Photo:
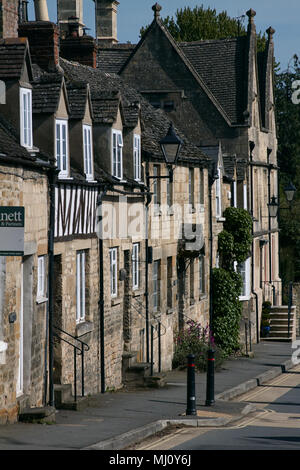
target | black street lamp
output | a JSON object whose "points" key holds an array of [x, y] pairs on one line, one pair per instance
{"points": [[273, 207], [290, 191]]}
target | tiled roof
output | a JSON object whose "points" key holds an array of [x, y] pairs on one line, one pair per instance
{"points": [[110, 59], [105, 105], [221, 65], [77, 97], [12, 57], [46, 93], [155, 123]]}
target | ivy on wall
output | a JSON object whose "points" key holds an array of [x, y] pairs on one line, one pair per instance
{"points": [[234, 244]]}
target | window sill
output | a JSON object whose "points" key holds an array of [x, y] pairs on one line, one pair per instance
{"points": [[65, 177], [41, 300], [84, 327], [170, 311], [192, 210], [221, 219], [170, 212], [201, 208], [192, 301], [115, 301], [157, 213], [3, 348], [202, 297], [244, 299]]}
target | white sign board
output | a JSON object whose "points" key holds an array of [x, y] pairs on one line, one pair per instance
{"points": [[12, 222]]}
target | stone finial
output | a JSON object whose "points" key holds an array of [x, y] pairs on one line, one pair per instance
{"points": [[270, 32], [157, 9], [251, 14]]}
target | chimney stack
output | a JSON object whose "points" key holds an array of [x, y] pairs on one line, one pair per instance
{"points": [[9, 18], [41, 10], [43, 38], [67, 9], [78, 48], [106, 21]]}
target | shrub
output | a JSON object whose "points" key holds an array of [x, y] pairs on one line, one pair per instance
{"points": [[195, 339], [227, 309]]}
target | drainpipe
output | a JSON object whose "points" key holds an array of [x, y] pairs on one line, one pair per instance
{"points": [[252, 146], [149, 197], [101, 291], [269, 200]]}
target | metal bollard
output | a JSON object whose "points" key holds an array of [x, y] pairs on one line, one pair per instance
{"points": [[210, 385], [191, 389]]}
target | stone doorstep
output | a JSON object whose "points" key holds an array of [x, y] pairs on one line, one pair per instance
{"points": [[41, 415]]}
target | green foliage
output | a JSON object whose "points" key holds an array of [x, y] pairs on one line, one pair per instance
{"points": [[238, 223], [288, 132], [195, 339], [227, 309], [202, 23]]}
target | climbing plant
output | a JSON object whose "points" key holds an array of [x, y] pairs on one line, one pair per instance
{"points": [[234, 244]]}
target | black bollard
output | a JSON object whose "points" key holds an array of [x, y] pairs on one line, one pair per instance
{"points": [[191, 392], [210, 387]]}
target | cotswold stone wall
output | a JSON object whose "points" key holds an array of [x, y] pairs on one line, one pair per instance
{"points": [[20, 187]]}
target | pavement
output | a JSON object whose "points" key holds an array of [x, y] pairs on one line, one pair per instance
{"points": [[120, 419]]}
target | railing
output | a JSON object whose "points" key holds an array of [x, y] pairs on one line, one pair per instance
{"points": [[78, 351], [158, 327]]}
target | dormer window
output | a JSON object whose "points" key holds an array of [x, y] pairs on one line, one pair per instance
{"points": [[62, 148], [26, 117], [88, 152], [137, 158], [117, 154]]}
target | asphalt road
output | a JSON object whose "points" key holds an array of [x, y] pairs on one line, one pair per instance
{"points": [[275, 426]]}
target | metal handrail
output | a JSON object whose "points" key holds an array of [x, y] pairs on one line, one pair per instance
{"points": [[84, 347]]}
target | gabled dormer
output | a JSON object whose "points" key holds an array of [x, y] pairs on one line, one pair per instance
{"points": [[81, 129], [108, 132], [51, 119], [16, 76], [132, 142]]}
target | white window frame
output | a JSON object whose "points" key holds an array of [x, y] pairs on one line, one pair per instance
{"points": [[219, 195], [246, 292], [245, 196], [137, 161], [59, 143], [201, 187], [26, 117], [88, 152], [41, 278], [113, 256], [80, 286], [135, 266], [117, 154], [156, 286], [201, 275], [234, 187], [191, 188]]}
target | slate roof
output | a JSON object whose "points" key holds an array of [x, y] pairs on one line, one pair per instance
{"points": [[222, 64], [111, 58], [105, 105], [155, 123], [46, 93], [77, 97], [12, 58]]}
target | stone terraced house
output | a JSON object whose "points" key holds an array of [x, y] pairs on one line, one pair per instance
{"points": [[110, 273]]}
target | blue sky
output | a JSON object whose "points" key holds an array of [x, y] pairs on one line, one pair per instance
{"points": [[284, 17]]}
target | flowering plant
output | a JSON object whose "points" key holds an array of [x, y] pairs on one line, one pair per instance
{"points": [[195, 339]]}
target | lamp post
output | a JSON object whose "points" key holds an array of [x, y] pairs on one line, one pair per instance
{"points": [[170, 147]]}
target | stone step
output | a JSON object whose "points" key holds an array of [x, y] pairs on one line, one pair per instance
{"points": [[279, 334], [280, 316], [280, 339], [282, 308], [283, 328], [62, 393], [43, 415]]}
